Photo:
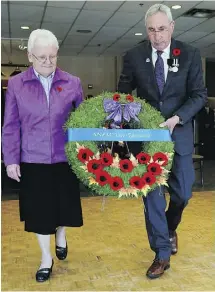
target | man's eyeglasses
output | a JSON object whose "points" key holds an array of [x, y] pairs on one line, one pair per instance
{"points": [[43, 59]]}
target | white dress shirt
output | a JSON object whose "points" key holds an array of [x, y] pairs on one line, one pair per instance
{"points": [[165, 56]]}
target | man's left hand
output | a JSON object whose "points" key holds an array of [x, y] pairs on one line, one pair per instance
{"points": [[170, 123]]}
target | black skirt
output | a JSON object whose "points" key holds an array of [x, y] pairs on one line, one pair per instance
{"points": [[49, 197]]}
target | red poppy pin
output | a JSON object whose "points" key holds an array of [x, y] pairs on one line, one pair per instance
{"points": [[176, 52], [59, 88]]}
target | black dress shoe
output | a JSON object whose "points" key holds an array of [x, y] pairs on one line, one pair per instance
{"points": [[61, 252], [174, 243], [43, 275]]}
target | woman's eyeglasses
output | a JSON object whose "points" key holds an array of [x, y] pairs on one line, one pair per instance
{"points": [[43, 59]]}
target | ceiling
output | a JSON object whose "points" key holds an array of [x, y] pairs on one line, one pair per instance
{"points": [[112, 25]]}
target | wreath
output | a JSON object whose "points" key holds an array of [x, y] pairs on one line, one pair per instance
{"points": [[110, 168]]}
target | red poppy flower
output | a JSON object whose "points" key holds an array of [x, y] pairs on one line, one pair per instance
{"points": [[154, 168], [160, 157], [126, 165], [116, 183], [84, 154], [106, 159], [102, 177], [116, 97], [94, 165], [59, 88], [136, 182], [149, 178], [176, 52], [143, 158], [129, 98]]}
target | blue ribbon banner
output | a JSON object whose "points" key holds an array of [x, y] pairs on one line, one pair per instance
{"points": [[98, 134]]}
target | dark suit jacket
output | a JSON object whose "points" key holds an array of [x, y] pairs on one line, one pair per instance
{"points": [[206, 125], [184, 93]]}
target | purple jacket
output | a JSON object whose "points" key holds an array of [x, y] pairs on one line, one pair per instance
{"points": [[33, 131]]}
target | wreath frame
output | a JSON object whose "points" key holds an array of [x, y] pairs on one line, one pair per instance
{"points": [[91, 114]]}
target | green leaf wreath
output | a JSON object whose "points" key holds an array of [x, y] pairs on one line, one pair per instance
{"points": [[106, 173]]}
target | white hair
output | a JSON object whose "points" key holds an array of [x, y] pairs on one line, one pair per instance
{"points": [[42, 37], [158, 8]]}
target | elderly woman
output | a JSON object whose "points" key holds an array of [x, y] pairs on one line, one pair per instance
{"points": [[38, 102]]}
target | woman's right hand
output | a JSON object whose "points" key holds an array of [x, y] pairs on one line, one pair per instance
{"points": [[13, 171]]}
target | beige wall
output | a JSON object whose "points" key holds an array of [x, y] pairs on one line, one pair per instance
{"points": [[98, 71], [204, 67]]}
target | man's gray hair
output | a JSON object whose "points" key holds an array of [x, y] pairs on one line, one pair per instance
{"points": [[159, 8], [42, 37]]}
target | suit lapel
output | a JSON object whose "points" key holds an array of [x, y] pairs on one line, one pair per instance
{"points": [[170, 74], [150, 69]]}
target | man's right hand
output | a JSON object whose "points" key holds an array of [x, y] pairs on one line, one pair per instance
{"points": [[13, 171]]}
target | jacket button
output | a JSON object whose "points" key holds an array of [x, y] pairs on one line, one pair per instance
{"points": [[161, 103]]}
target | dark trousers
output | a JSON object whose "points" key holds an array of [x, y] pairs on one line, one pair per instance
{"points": [[160, 224]]}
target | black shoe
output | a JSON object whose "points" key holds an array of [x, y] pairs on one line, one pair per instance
{"points": [[174, 243], [43, 275], [61, 252]]}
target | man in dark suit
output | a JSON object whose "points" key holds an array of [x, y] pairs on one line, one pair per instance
{"points": [[206, 123], [168, 75]]}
